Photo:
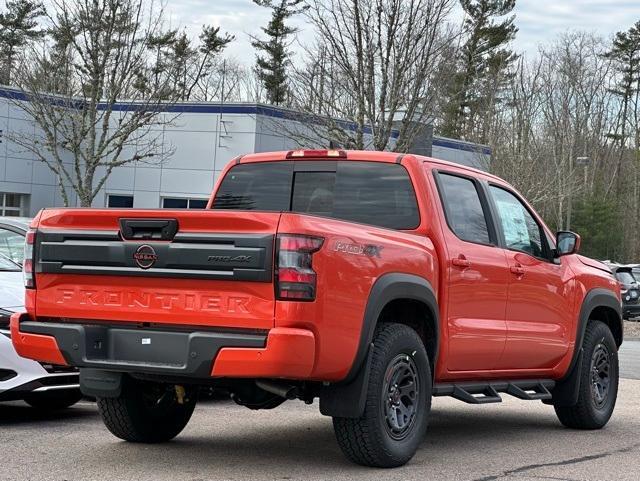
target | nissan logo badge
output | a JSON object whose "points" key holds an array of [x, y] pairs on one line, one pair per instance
{"points": [[145, 256]]}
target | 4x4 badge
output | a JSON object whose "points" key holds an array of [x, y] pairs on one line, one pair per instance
{"points": [[145, 256]]}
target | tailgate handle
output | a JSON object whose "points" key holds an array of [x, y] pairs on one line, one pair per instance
{"points": [[148, 229]]}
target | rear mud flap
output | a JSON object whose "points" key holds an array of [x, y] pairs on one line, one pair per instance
{"points": [[100, 384], [347, 400], [566, 392]]}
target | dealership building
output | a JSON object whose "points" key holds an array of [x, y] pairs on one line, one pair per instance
{"points": [[203, 138]]}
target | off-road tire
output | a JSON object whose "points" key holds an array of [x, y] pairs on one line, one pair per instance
{"points": [[367, 440], [134, 415], [53, 400], [587, 413]]}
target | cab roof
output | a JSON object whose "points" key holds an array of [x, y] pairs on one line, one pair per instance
{"points": [[354, 155]]}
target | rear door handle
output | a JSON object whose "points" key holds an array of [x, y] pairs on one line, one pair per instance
{"points": [[461, 261], [518, 270]]}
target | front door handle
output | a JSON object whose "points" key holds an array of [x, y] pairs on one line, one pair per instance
{"points": [[518, 270], [461, 261]]}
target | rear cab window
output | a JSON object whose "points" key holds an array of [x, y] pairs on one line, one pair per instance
{"points": [[259, 186], [374, 193]]}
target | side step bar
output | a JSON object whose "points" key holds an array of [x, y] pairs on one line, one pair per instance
{"points": [[488, 392]]}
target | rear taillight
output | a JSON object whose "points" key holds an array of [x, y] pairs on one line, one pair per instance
{"points": [[295, 278], [28, 262]]}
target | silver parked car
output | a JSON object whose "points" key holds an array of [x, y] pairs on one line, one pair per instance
{"points": [[44, 386]]}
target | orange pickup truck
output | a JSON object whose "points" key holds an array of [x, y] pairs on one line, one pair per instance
{"points": [[370, 280]]}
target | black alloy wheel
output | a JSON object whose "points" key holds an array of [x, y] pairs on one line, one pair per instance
{"points": [[401, 388]]}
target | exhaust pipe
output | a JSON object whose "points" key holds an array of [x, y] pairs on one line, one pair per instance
{"points": [[286, 391]]}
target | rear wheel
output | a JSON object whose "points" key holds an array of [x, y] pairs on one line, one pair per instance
{"points": [[598, 381], [398, 402], [148, 412], [53, 400]]}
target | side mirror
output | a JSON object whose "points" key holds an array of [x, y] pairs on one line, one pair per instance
{"points": [[567, 243]]}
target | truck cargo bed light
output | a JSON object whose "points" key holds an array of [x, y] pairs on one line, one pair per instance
{"points": [[316, 154]]}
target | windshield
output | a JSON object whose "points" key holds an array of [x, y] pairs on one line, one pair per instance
{"points": [[625, 277], [7, 264], [12, 245]]}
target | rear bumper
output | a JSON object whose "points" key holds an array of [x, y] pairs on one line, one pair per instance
{"points": [[280, 353]]}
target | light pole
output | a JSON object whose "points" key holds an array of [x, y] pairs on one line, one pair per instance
{"points": [[583, 162]]}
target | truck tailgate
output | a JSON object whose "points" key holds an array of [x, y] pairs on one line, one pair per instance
{"points": [[160, 266]]}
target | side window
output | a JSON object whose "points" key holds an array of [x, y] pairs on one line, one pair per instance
{"points": [[12, 245], [120, 201], [182, 203], [463, 208], [520, 229]]}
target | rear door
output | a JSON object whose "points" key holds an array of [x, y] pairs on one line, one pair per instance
{"points": [[477, 276], [541, 291]]}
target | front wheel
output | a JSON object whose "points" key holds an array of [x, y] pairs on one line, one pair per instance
{"points": [[398, 402], [148, 412], [598, 381]]}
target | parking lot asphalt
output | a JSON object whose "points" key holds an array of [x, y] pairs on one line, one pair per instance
{"points": [[514, 440], [630, 360]]}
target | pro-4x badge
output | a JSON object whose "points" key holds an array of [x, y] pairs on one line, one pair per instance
{"points": [[229, 258], [368, 250]]}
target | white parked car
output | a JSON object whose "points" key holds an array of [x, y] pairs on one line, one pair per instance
{"points": [[43, 386]]}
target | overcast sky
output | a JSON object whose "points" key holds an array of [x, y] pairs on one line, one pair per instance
{"points": [[538, 20]]}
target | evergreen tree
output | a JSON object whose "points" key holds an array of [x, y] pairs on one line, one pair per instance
{"points": [[212, 42], [481, 64], [625, 52], [18, 26], [272, 66], [162, 45], [598, 221], [59, 59], [183, 55], [185, 62]]}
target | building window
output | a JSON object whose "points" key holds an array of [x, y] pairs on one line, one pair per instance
{"points": [[120, 201], [11, 204], [177, 203]]}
